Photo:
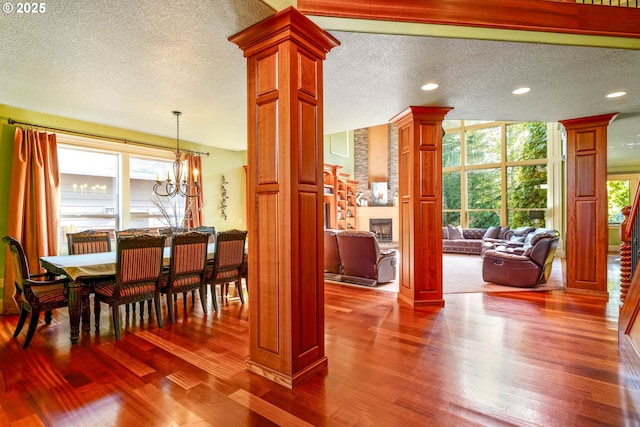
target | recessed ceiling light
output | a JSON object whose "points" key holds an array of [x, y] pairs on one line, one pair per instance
{"points": [[430, 86], [521, 90], [616, 94]]}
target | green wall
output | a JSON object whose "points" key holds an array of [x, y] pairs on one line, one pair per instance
{"points": [[219, 162], [338, 150]]}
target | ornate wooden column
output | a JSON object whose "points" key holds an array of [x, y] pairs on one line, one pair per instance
{"points": [[285, 194], [420, 204], [587, 228]]}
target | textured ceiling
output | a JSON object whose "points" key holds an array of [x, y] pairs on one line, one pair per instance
{"points": [[129, 64]]}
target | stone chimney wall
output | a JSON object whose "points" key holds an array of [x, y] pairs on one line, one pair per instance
{"points": [[361, 162]]}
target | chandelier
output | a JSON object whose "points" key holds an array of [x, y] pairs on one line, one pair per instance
{"points": [[179, 184]]}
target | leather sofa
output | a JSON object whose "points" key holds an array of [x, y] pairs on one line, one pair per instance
{"points": [[523, 264], [355, 257], [469, 240]]}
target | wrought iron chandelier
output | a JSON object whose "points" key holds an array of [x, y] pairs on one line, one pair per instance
{"points": [[181, 186]]}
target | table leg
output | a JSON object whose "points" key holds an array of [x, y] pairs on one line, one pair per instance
{"points": [[75, 309]]}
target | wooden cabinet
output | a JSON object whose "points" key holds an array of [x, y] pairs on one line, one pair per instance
{"points": [[339, 199]]}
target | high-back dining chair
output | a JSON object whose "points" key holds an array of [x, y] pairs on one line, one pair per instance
{"points": [[33, 293], [208, 229], [89, 242], [227, 263], [137, 279], [187, 269], [133, 232]]}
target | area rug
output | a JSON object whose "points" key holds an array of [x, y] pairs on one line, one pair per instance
{"points": [[463, 274]]}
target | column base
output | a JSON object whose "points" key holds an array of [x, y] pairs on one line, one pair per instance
{"points": [[420, 303], [320, 367]]}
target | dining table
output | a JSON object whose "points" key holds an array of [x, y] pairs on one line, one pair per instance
{"points": [[83, 269]]}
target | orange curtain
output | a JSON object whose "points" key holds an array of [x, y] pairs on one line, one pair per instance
{"points": [[193, 205], [34, 202]]}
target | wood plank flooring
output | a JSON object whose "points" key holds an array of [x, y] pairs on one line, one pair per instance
{"points": [[510, 359]]}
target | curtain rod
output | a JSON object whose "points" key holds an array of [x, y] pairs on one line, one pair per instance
{"points": [[10, 121]]}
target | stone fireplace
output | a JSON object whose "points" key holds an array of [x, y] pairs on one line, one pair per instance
{"points": [[382, 228]]}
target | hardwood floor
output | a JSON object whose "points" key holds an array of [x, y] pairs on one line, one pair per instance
{"points": [[511, 359]]}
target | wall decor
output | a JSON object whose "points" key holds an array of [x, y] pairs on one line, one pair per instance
{"points": [[379, 193], [223, 202]]}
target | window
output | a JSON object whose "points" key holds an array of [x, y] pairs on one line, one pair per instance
{"points": [[494, 173], [88, 191], [108, 186], [451, 150], [146, 209], [527, 195], [526, 141], [618, 195], [483, 146], [484, 197], [451, 197]]}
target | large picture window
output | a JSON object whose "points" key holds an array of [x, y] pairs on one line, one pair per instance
{"points": [[494, 174], [103, 188]]}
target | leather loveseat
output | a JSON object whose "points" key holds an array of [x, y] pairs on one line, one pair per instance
{"points": [[355, 257]]}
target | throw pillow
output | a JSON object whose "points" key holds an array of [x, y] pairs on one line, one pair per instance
{"points": [[445, 233], [492, 232], [455, 232]]}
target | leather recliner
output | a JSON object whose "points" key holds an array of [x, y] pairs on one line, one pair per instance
{"points": [[362, 260], [526, 265], [332, 264]]}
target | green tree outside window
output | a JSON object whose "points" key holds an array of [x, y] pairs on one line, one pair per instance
{"points": [[618, 196]]}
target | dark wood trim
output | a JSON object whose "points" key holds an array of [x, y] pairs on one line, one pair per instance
{"points": [[530, 15]]}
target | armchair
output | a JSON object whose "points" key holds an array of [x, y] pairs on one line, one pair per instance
{"points": [[332, 265], [515, 237], [526, 265], [34, 293], [362, 260]]}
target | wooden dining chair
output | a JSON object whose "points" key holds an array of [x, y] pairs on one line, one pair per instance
{"points": [[227, 262], [208, 229], [137, 279], [89, 242], [187, 270], [34, 293], [134, 232]]}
